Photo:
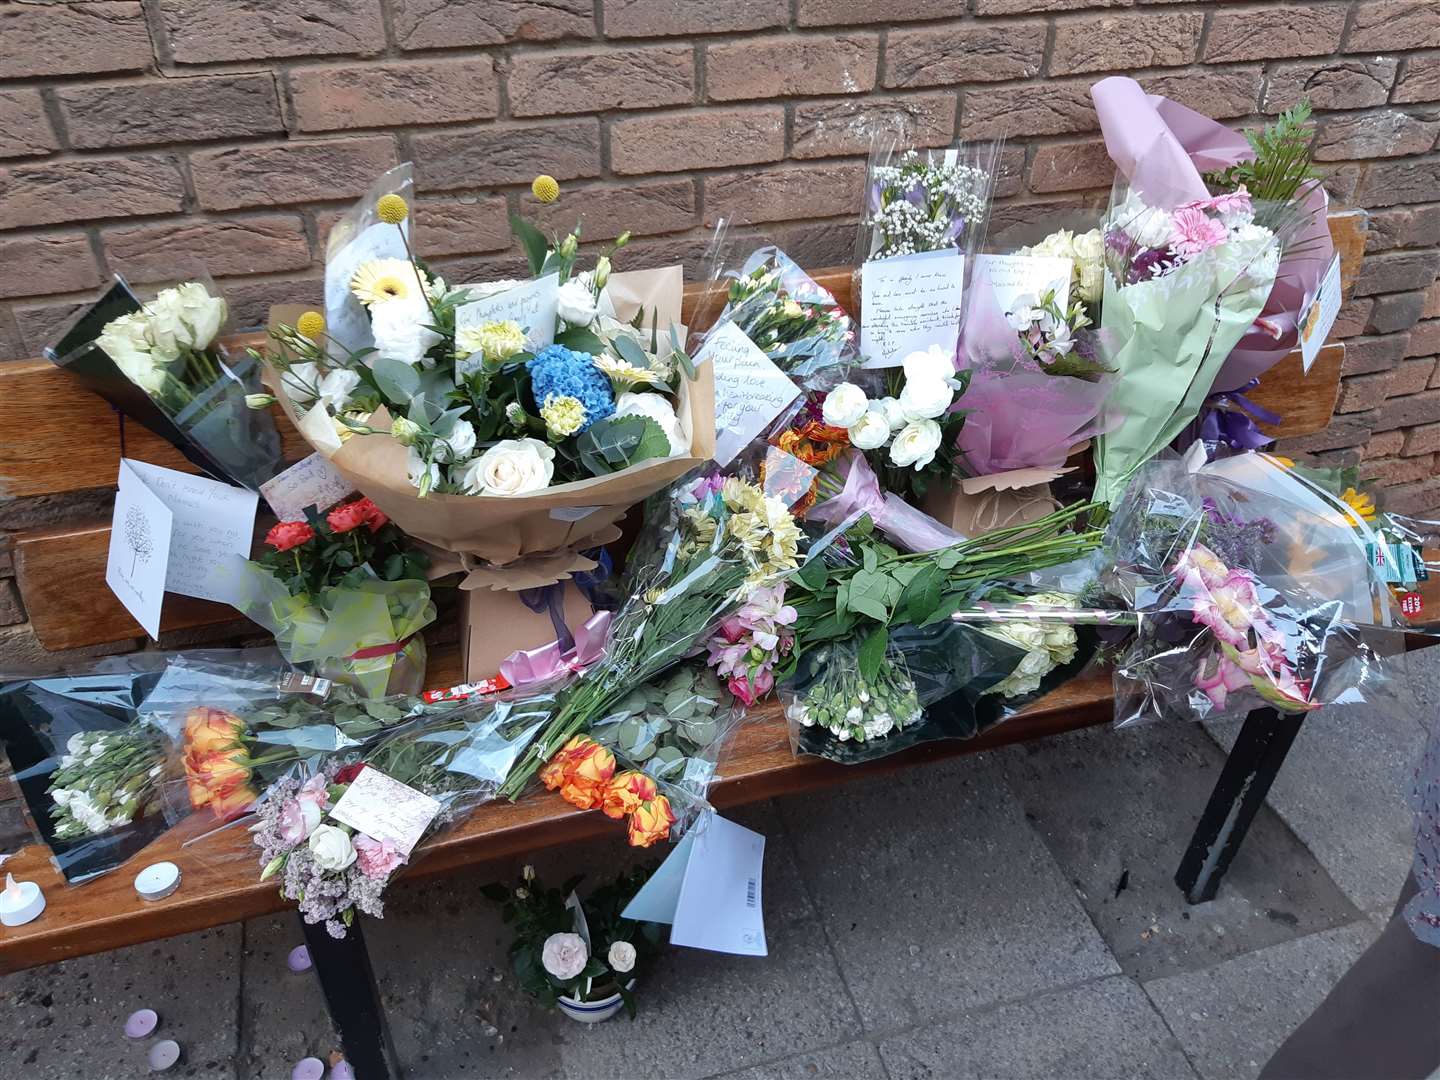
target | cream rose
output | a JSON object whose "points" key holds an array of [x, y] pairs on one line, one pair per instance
{"points": [[845, 405], [925, 399], [185, 317], [916, 444], [124, 340], [621, 956], [872, 430], [331, 848], [564, 955], [657, 408], [510, 467]]}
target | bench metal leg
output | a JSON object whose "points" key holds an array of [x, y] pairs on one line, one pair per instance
{"points": [[348, 982], [1249, 771]]}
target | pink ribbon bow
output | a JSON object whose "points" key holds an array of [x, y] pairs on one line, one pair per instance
{"points": [[526, 667]]}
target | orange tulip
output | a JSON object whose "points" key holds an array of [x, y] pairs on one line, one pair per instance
{"points": [[625, 792], [651, 822]]}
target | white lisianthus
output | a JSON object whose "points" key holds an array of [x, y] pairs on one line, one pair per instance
{"points": [[621, 956], [510, 467], [575, 302], [658, 408], [417, 468], [930, 365], [925, 399], [124, 340], [872, 430], [916, 444], [185, 317], [845, 405], [331, 848], [402, 332], [458, 444], [1023, 313], [302, 382], [336, 387], [404, 430], [564, 955]]}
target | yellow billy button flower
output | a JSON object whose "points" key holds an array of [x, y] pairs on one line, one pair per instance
{"points": [[310, 325], [392, 209], [546, 189]]}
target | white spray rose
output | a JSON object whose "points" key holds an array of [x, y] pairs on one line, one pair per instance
{"points": [[336, 387], [510, 467], [845, 405], [301, 382], [575, 302], [1059, 244], [925, 399], [658, 408], [185, 317], [931, 365], [872, 430], [621, 956], [401, 330], [564, 955], [458, 444], [916, 444], [331, 848], [124, 340]]}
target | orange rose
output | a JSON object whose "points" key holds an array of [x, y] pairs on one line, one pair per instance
{"points": [[580, 769], [213, 762], [625, 792], [553, 774], [651, 821], [209, 730]]}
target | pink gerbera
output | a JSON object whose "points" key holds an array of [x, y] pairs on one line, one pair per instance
{"points": [[1194, 232]]}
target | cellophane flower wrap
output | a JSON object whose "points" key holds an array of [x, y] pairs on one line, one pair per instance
{"points": [[1245, 597], [333, 870], [919, 200]]}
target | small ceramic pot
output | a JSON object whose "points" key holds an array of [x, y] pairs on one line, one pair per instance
{"points": [[593, 1012]]}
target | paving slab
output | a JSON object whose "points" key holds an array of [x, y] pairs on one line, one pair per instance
{"points": [[936, 895], [1230, 1018], [852, 1061], [68, 1019], [1117, 809], [1106, 1028]]}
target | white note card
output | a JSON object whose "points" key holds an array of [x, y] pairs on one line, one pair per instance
{"points": [[750, 390], [1320, 317], [311, 481], [1012, 277], [533, 305], [909, 303], [385, 809], [139, 550]]}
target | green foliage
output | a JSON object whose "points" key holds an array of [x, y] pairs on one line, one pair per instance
{"points": [[618, 442], [1283, 163], [396, 380], [532, 240]]}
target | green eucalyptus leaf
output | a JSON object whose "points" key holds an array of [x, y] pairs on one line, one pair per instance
{"points": [[397, 380]]}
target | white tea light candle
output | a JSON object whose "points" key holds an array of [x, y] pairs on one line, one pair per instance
{"points": [[21, 902], [157, 881]]}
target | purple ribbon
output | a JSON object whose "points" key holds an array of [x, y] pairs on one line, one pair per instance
{"points": [[912, 529], [525, 667], [1229, 417]]}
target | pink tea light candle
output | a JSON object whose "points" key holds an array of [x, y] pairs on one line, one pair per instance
{"points": [[21, 902]]}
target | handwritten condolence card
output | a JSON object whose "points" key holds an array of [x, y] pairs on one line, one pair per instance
{"points": [[909, 303], [174, 532], [750, 390]]}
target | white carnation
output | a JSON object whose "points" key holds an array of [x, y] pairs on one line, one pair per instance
{"points": [[401, 330]]}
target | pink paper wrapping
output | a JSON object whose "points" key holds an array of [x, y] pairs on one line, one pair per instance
{"points": [[912, 529], [1162, 148]]}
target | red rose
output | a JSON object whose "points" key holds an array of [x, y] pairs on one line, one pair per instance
{"points": [[348, 774], [350, 516], [374, 516], [289, 534]]}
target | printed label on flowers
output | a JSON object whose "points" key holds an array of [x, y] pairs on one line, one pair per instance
{"points": [[909, 303], [1320, 317], [385, 809], [750, 391], [1013, 277]]}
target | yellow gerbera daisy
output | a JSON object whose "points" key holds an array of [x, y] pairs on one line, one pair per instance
{"points": [[379, 280], [1360, 504]]}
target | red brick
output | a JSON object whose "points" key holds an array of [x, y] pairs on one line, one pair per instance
{"points": [[791, 64], [1016, 224], [1274, 31], [272, 174], [1071, 167], [1391, 182], [1048, 108], [1397, 270], [841, 12], [506, 154], [46, 263], [24, 128], [1424, 439], [40, 324], [448, 24], [681, 18], [1345, 430], [1403, 227], [632, 77], [789, 193], [69, 39], [461, 226], [1385, 25], [200, 107], [1424, 339], [828, 128], [1366, 354], [1412, 376], [641, 208], [54, 191], [12, 347], [202, 31], [1124, 42], [256, 244], [1018, 7], [481, 268], [1361, 392], [1010, 172], [1221, 95], [1353, 318], [1420, 81], [1405, 412], [1416, 499], [967, 53], [1341, 181], [678, 142], [1352, 83], [1388, 472], [394, 95], [250, 299], [1395, 312], [1388, 133], [688, 250], [1385, 444]]}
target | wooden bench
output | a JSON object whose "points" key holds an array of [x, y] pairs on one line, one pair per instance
{"points": [[60, 572]]}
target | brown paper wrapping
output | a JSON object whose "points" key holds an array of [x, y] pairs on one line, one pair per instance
{"points": [[497, 623], [980, 504]]}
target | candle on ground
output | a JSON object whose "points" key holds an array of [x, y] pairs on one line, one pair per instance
{"points": [[141, 1023], [308, 1069], [21, 902], [299, 958], [164, 1054]]}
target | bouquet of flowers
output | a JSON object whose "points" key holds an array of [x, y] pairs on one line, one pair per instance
{"points": [[104, 780], [919, 201], [161, 362], [348, 593], [1086, 252], [572, 951]]}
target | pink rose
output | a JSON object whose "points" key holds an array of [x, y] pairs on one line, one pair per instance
{"points": [[376, 858], [315, 791], [298, 820]]}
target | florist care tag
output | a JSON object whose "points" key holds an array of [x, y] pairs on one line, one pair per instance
{"points": [[311, 481], [385, 809], [908, 303], [533, 305], [1315, 326], [1012, 277], [719, 905], [750, 391]]}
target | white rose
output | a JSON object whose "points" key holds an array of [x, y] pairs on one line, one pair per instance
{"points": [[621, 956], [929, 366], [1090, 281], [336, 386], [925, 399], [416, 469], [871, 431], [510, 467], [401, 331], [845, 405], [301, 382], [658, 408], [185, 317], [575, 302], [564, 955], [124, 341], [459, 444], [331, 848], [1090, 246], [916, 444]]}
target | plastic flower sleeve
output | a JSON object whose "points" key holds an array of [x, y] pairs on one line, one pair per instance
{"points": [[357, 237]]}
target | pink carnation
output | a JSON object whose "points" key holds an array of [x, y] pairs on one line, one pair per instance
{"points": [[377, 858], [1194, 232]]}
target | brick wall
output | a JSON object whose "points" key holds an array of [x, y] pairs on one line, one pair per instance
{"points": [[237, 129]]}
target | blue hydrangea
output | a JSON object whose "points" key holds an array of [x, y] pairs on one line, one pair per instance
{"points": [[558, 370]]}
